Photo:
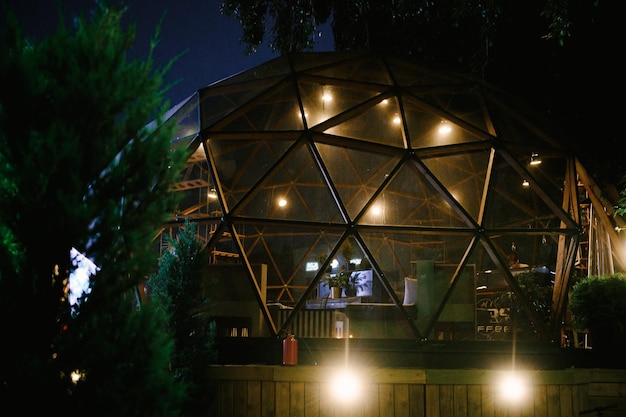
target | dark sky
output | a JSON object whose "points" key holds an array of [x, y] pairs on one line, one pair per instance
{"points": [[208, 39]]}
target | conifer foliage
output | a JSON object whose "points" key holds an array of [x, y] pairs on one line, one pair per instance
{"points": [[79, 167], [179, 289]]}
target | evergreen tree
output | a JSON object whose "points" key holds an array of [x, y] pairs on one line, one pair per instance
{"points": [[179, 289], [79, 167]]}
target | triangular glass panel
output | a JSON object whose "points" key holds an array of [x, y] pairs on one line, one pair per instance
{"points": [[513, 203], [464, 177], [463, 104], [221, 99], [434, 276], [413, 74], [535, 249], [316, 61], [380, 123], [365, 68], [520, 125], [500, 310], [323, 101], [185, 115], [546, 172], [296, 190], [402, 254], [272, 68], [427, 129], [241, 163], [457, 318], [411, 199], [276, 110], [292, 258], [293, 261], [384, 304], [356, 173]]}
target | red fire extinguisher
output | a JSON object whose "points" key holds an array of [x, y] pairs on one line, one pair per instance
{"points": [[290, 350]]}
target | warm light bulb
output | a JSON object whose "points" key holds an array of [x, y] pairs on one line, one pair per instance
{"points": [[444, 128], [76, 376], [396, 119], [282, 202]]}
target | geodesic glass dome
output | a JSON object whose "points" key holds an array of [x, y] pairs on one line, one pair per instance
{"points": [[416, 183]]}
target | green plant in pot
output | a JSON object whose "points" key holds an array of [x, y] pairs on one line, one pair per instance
{"points": [[342, 279], [598, 304], [337, 281]]}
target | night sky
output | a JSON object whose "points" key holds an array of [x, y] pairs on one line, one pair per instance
{"points": [[208, 39]]}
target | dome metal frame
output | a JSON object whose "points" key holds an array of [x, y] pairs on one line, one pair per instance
{"points": [[455, 203]]}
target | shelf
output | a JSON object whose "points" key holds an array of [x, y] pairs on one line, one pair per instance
{"points": [[330, 303]]}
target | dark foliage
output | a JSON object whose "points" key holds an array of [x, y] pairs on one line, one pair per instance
{"points": [[180, 291], [599, 302], [79, 168]]}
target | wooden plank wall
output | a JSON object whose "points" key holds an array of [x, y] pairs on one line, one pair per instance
{"points": [[607, 393], [313, 323], [304, 391]]}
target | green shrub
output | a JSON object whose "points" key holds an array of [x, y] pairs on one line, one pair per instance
{"points": [[599, 302]]}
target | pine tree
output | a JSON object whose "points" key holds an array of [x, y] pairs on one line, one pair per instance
{"points": [[179, 289], [79, 167]]}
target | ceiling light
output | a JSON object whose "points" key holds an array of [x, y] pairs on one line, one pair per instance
{"points": [[535, 159], [444, 128], [326, 96]]}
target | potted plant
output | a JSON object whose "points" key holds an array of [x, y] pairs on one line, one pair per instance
{"points": [[341, 280], [598, 304], [344, 279], [336, 282]]}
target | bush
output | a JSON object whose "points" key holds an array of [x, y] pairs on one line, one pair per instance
{"points": [[598, 304]]}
